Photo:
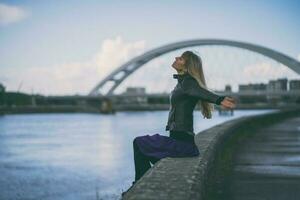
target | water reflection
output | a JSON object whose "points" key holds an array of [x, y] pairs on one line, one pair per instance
{"points": [[77, 156]]}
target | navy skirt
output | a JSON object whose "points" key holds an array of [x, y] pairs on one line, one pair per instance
{"points": [[160, 146]]}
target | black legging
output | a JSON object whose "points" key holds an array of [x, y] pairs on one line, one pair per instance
{"points": [[141, 161]]}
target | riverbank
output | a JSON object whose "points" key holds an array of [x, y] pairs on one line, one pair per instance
{"points": [[94, 109], [48, 109], [200, 177]]}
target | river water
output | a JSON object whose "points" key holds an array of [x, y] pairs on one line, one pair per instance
{"points": [[67, 156]]}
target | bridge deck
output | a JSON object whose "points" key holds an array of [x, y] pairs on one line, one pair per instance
{"points": [[267, 166]]}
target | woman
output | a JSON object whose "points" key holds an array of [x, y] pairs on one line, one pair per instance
{"points": [[190, 90]]}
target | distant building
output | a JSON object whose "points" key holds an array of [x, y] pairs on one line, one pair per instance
{"points": [[253, 87], [134, 95], [278, 85], [294, 84], [135, 91]]}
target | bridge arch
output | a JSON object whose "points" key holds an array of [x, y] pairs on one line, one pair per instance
{"points": [[135, 63]]}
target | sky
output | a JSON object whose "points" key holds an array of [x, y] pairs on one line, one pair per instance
{"points": [[66, 47]]}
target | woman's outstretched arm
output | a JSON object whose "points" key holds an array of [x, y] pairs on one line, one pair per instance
{"points": [[192, 88]]}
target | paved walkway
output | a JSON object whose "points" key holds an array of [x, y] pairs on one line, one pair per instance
{"points": [[267, 166]]}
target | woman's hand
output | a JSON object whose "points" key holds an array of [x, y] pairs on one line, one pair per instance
{"points": [[228, 103]]}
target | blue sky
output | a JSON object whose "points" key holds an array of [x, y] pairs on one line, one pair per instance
{"points": [[66, 47]]}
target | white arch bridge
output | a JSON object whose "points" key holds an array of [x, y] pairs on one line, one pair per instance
{"points": [[125, 70]]}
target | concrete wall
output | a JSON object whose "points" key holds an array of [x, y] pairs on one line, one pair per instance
{"points": [[191, 177]]}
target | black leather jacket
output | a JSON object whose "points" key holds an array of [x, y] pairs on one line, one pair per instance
{"points": [[183, 99]]}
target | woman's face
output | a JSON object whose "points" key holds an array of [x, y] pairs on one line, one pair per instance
{"points": [[179, 63]]}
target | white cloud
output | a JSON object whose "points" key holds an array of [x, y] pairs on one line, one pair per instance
{"points": [[299, 57], [260, 69], [115, 52], [75, 77], [265, 71], [11, 14]]}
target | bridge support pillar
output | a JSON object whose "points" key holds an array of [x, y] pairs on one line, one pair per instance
{"points": [[107, 106]]}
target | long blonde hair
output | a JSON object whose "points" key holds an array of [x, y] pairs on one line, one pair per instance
{"points": [[193, 64]]}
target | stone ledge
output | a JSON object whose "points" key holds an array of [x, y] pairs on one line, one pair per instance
{"points": [[186, 178]]}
